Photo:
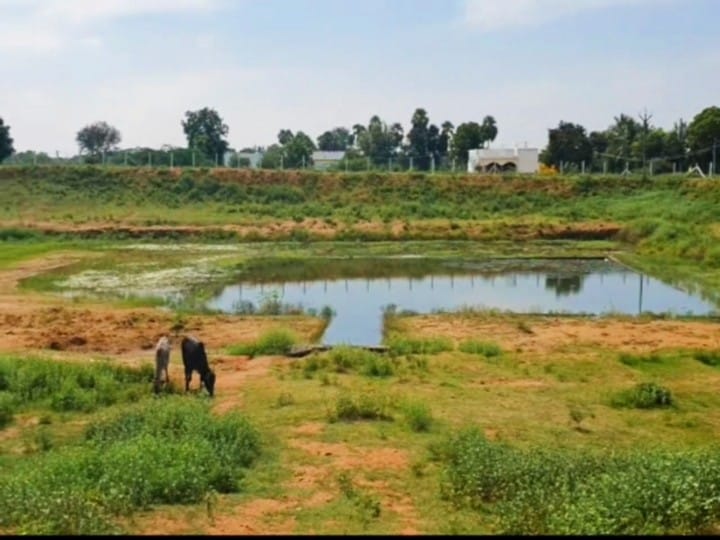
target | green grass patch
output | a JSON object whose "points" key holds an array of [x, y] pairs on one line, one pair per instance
{"points": [[709, 358], [403, 345], [646, 395], [167, 451], [487, 349], [70, 386], [571, 492], [350, 407], [278, 341]]}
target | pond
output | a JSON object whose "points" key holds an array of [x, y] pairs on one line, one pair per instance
{"points": [[576, 286]]}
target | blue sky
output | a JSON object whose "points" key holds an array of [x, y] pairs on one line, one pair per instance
{"points": [[312, 65]]}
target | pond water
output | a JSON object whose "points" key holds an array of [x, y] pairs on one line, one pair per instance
{"points": [[523, 286]]}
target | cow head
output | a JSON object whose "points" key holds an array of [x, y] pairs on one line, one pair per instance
{"points": [[209, 381]]}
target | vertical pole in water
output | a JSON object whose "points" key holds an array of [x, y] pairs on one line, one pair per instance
{"points": [[432, 282], [640, 297]]}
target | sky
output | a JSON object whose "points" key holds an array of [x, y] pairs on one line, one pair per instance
{"points": [[312, 65]]}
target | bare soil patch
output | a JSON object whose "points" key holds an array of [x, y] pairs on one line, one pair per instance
{"points": [[553, 333]]}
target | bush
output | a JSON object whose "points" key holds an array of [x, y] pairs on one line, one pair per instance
{"points": [[633, 360], [710, 358], [404, 346], [361, 407], [565, 492], [278, 341], [7, 408], [489, 350], [418, 416], [643, 396], [169, 451]]}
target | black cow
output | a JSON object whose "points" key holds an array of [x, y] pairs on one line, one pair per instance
{"points": [[195, 359]]}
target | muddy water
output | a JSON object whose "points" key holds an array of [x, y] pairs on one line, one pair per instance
{"points": [[537, 286]]}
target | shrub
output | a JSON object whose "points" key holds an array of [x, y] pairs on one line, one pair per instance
{"points": [[571, 492], [361, 407], [279, 341], [418, 416], [489, 350], [405, 346], [633, 360], [7, 408], [169, 451], [710, 358], [643, 396]]}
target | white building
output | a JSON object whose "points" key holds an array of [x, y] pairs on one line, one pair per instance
{"points": [[521, 160], [323, 160]]}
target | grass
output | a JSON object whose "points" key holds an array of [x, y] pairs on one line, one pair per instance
{"points": [[486, 349], [273, 342], [170, 452]]}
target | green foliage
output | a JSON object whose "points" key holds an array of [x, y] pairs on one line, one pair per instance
{"points": [[643, 396], [206, 132], [487, 349], [404, 346], [564, 492], [634, 360], [169, 451], [98, 137], [418, 416], [71, 386], [364, 406], [278, 341], [7, 408], [710, 358], [6, 142]]}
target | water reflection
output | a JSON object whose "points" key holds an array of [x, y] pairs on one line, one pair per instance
{"points": [[564, 285], [600, 287]]}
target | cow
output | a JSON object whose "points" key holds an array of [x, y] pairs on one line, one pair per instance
{"points": [[195, 359], [162, 361]]}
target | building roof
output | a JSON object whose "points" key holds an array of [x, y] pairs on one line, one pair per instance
{"points": [[326, 155]]}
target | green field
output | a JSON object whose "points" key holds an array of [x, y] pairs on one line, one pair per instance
{"points": [[475, 422]]}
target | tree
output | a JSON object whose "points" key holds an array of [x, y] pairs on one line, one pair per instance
{"points": [[98, 138], [6, 142], [568, 143], [205, 131], [471, 135], [285, 136], [418, 136], [336, 140], [298, 150], [273, 157], [703, 135], [446, 134], [378, 142]]}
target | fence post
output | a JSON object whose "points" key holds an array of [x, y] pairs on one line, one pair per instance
{"points": [[346, 164], [172, 161], [605, 167], [216, 160], [193, 158], [411, 164], [126, 159], [582, 166], [432, 163]]}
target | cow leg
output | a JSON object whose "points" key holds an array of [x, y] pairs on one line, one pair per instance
{"points": [[188, 376]]}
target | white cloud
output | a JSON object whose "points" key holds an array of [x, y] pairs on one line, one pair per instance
{"points": [[489, 15]]}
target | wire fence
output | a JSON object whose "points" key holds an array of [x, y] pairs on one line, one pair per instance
{"points": [[701, 162]]}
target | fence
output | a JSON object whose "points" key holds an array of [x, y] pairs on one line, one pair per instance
{"points": [[602, 163]]}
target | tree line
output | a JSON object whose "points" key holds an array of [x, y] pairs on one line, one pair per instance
{"points": [[626, 144], [635, 142]]}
